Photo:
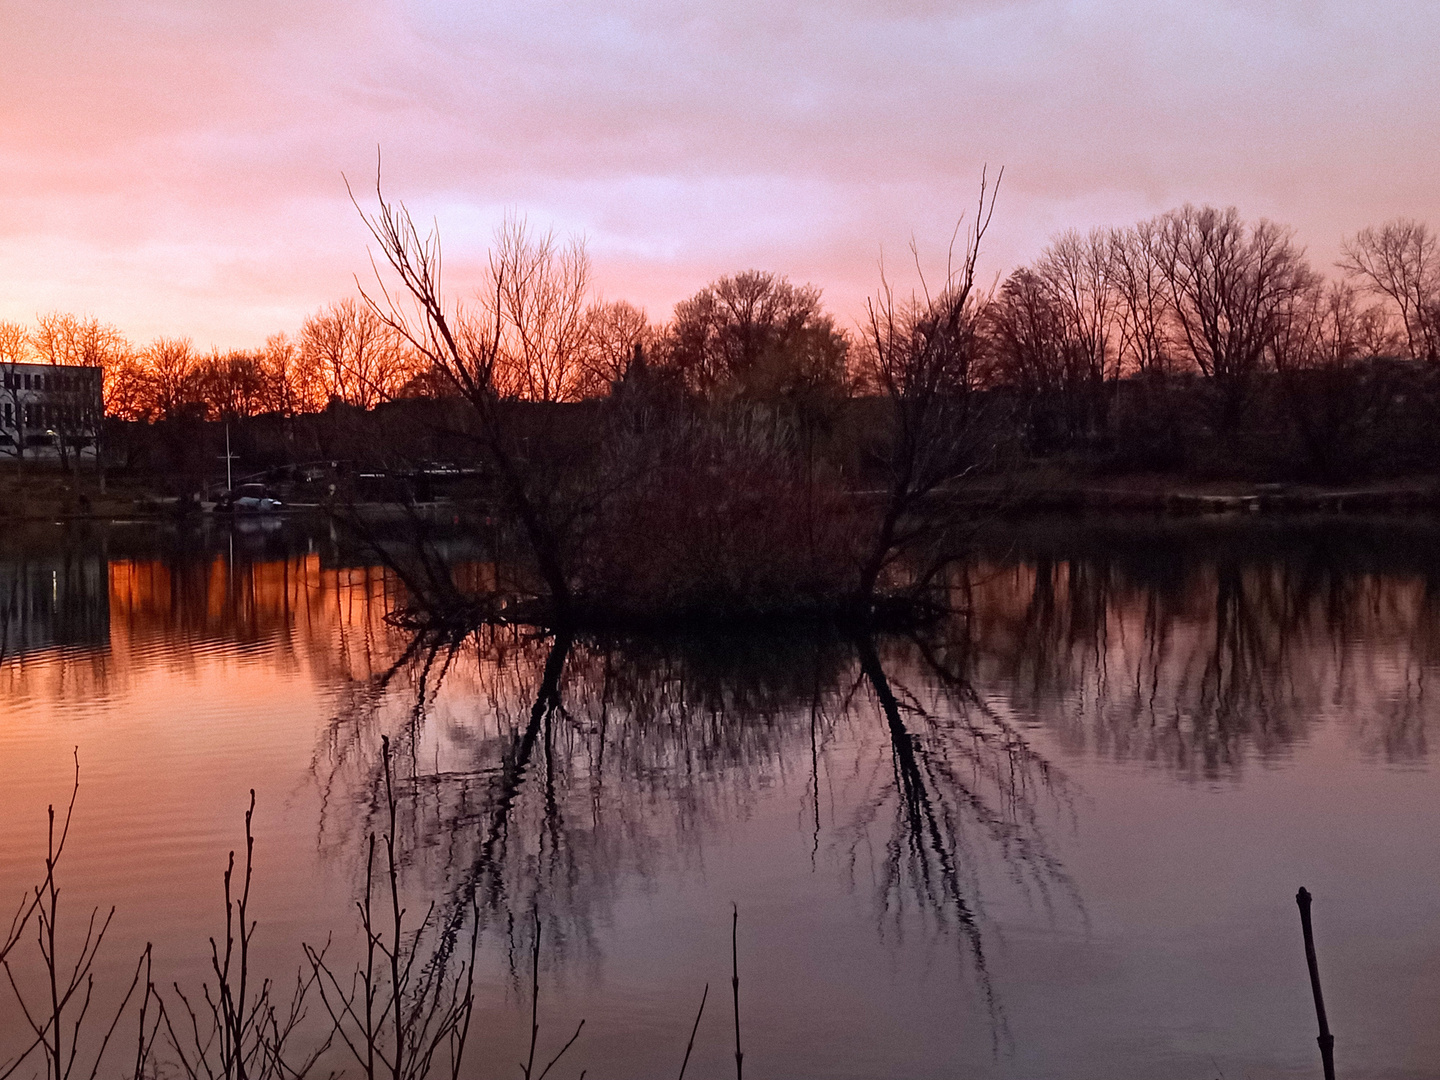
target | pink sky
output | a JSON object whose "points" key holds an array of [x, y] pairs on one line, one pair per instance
{"points": [[176, 167]]}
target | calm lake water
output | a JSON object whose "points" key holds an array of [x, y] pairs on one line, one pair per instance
{"points": [[1059, 836]]}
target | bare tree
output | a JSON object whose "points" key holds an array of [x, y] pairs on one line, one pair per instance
{"points": [[1229, 286], [1079, 273], [1322, 345], [353, 354], [614, 330], [282, 388], [1032, 352], [465, 344], [1142, 308], [232, 384], [756, 335], [921, 354], [1027, 332], [539, 286], [128, 391], [63, 339], [1401, 261], [169, 369], [66, 340]]}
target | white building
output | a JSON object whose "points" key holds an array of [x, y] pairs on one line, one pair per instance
{"points": [[50, 412]]}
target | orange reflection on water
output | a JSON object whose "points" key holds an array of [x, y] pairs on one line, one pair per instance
{"points": [[179, 616]]}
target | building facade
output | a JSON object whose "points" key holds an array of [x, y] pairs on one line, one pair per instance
{"points": [[50, 412]]}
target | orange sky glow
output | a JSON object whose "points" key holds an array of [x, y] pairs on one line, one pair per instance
{"points": [[175, 167]]}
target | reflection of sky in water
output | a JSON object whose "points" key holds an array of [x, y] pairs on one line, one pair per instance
{"points": [[1120, 766]]}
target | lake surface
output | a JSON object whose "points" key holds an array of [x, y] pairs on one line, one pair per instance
{"points": [[1059, 835]]}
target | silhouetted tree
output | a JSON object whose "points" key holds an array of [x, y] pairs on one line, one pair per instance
{"points": [[64, 340], [353, 355], [756, 336], [539, 287], [231, 384], [1079, 273], [60, 338], [469, 346], [14, 349], [1032, 353], [1401, 261], [169, 379], [614, 330], [1229, 287], [1141, 312], [1323, 354], [922, 356], [1056, 334], [283, 387], [126, 389]]}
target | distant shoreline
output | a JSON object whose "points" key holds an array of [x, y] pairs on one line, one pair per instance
{"points": [[56, 496]]}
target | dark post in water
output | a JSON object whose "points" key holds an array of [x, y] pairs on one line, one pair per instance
{"points": [[1326, 1040]]}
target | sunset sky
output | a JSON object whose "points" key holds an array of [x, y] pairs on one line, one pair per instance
{"points": [[176, 167]]}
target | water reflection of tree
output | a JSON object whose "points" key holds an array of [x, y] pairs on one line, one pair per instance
{"points": [[959, 770], [1196, 659], [1194, 653], [1198, 664], [547, 773], [587, 766]]}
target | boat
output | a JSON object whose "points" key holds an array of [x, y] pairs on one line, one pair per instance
{"points": [[248, 499]]}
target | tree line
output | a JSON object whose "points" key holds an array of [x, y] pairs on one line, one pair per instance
{"points": [[1197, 291]]}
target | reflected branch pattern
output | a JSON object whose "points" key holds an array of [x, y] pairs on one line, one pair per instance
{"points": [[557, 770]]}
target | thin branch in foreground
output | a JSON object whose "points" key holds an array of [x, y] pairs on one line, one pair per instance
{"points": [[529, 1064], [696, 1027], [402, 1015], [735, 983], [71, 987]]}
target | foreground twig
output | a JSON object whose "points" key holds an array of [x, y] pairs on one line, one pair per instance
{"points": [[735, 983], [246, 1032], [1326, 1040], [400, 1016], [696, 1027], [59, 1026], [535, 1012]]}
